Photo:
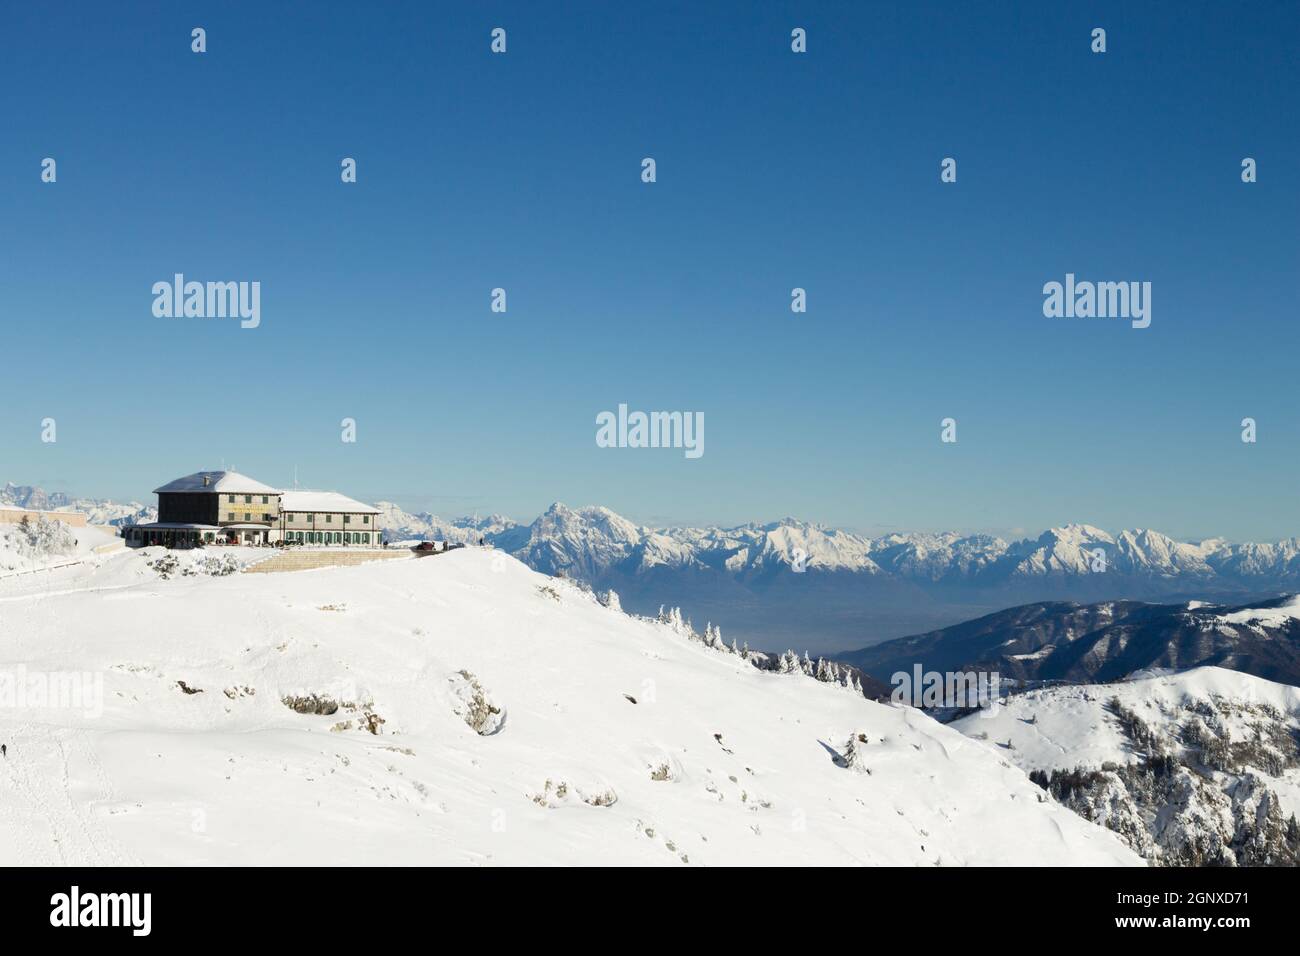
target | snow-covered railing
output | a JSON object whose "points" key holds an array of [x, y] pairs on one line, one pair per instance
{"points": [[48, 567]]}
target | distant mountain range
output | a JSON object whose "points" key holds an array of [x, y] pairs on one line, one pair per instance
{"points": [[100, 510], [853, 590], [1063, 641]]}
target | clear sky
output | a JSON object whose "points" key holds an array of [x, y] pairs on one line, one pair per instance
{"points": [[774, 170]]}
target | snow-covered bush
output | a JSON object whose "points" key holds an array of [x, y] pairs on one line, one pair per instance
{"points": [[216, 565], [474, 706], [855, 757], [164, 565], [36, 540], [311, 704], [191, 564], [558, 793]]}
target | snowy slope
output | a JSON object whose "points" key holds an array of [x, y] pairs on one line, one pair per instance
{"points": [[616, 740], [1197, 767]]}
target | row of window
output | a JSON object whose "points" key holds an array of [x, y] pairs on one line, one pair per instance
{"points": [[328, 537], [329, 519], [248, 500], [300, 537]]}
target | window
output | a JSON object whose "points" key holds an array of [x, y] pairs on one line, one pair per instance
{"points": [[310, 517], [230, 498], [347, 519], [230, 516], [248, 499], [365, 519], [329, 519], [248, 516], [347, 537], [365, 539], [264, 499]]}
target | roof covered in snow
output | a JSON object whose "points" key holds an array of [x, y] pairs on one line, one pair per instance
{"points": [[324, 501], [217, 481]]}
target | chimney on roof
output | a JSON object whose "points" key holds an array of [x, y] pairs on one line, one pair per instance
{"points": [[207, 480]]}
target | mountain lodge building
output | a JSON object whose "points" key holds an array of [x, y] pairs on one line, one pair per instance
{"points": [[225, 507]]}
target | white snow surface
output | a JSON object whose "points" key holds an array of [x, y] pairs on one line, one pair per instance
{"points": [[324, 501], [571, 772], [218, 481]]}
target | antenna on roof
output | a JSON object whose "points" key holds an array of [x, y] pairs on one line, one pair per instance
{"points": [[295, 477]]}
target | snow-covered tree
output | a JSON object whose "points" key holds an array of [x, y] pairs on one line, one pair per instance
{"points": [[855, 757]]}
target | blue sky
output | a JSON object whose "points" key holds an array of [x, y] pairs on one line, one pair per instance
{"points": [[775, 170]]}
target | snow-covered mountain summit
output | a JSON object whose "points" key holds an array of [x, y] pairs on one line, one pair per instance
{"points": [[595, 540]]}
